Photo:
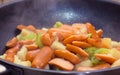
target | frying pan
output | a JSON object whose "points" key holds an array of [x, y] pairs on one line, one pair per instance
{"points": [[44, 13]]}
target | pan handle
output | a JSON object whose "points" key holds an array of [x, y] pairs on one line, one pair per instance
{"points": [[6, 69], [2, 69]]}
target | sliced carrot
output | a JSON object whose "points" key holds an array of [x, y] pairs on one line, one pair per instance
{"points": [[81, 44], [91, 29], [12, 42], [76, 50], [61, 63], [102, 66], [67, 55], [95, 43], [31, 46], [46, 40], [31, 54], [72, 38], [42, 58], [106, 58]]}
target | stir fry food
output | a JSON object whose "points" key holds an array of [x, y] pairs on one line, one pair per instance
{"points": [[76, 47]]}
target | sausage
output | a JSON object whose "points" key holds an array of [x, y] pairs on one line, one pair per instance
{"points": [[31, 46], [85, 68], [26, 42], [31, 54], [97, 67], [46, 40], [10, 53], [77, 50], [43, 57], [12, 42], [102, 66], [67, 55], [62, 64]]}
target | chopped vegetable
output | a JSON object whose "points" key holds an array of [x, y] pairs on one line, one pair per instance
{"points": [[26, 35], [38, 39], [57, 45], [22, 53], [58, 24]]}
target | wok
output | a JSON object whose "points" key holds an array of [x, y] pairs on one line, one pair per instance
{"points": [[44, 13]]}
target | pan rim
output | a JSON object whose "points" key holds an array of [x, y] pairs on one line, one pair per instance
{"points": [[55, 71]]}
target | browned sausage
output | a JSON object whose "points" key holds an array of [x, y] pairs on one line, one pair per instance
{"points": [[12, 42], [85, 68], [62, 64], [43, 57], [10, 53], [67, 55], [31, 54]]}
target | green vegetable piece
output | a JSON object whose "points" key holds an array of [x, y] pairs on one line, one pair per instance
{"points": [[91, 50], [89, 35], [38, 39], [26, 35], [102, 51], [95, 61], [58, 24]]}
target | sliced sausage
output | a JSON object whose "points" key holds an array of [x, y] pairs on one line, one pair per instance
{"points": [[62, 64], [43, 57]]}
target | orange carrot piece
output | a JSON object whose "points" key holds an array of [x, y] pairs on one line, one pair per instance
{"points": [[67, 55], [12, 42], [46, 40], [72, 38], [31, 54], [81, 44], [92, 30], [106, 58], [42, 58], [61, 63], [95, 43], [77, 50]]}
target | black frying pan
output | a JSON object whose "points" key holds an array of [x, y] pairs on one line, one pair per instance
{"points": [[44, 13]]}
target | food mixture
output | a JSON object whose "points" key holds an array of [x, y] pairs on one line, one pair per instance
{"points": [[76, 47]]}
